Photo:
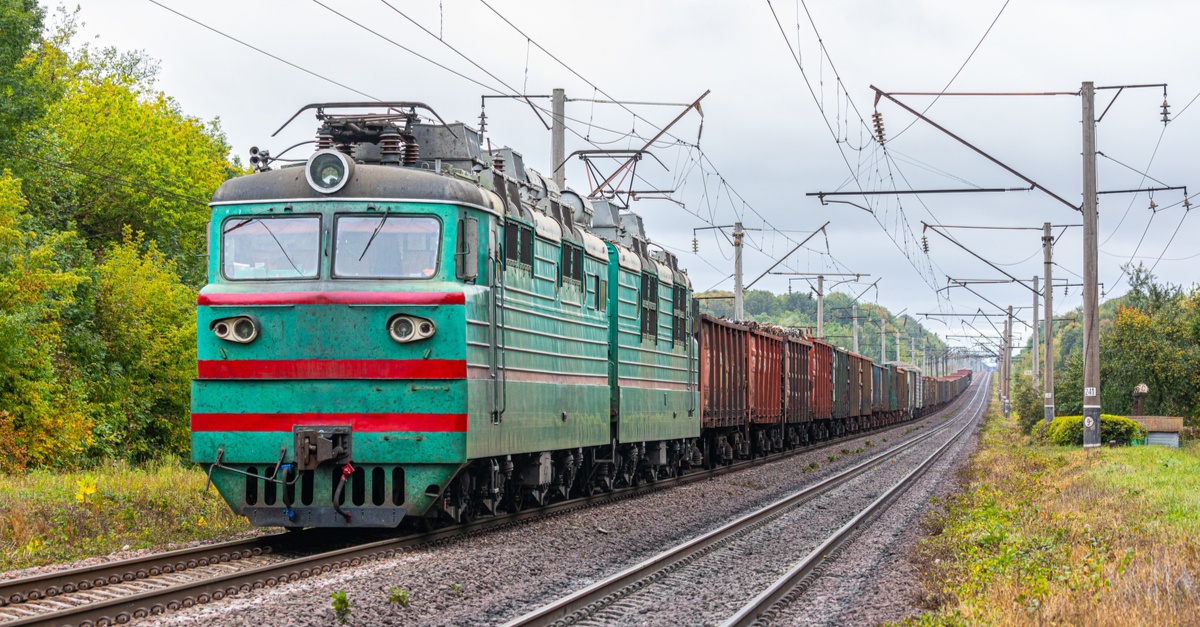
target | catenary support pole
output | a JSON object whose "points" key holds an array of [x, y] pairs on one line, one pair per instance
{"points": [[1048, 302], [1091, 309], [558, 146], [820, 306], [854, 319], [738, 313], [1034, 354], [882, 339]]}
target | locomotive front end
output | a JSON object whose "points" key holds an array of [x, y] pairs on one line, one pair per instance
{"points": [[331, 386]]}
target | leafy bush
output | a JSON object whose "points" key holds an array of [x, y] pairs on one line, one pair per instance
{"points": [[1068, 430], [1028, 404]]}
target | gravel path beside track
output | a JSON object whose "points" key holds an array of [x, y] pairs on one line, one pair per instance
{"points": [[496, 576]]}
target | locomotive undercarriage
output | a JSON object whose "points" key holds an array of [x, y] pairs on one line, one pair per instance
{"points": [[512, 483]]}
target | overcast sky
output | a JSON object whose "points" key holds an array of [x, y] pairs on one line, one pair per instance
{"points": [[764, 134]]}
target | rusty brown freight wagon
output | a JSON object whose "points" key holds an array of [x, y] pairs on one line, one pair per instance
{"points": [[797, 365], [723, 376], [765, 369]]}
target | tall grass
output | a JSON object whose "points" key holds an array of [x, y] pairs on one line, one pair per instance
{"points": [[48, 516], [1058, 536]]}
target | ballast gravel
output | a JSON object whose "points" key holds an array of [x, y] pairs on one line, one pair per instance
{"points": [[496, 576], [716, 585], [875, 579]]}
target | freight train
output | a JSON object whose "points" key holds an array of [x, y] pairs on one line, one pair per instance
{"points": [[408, 325]]}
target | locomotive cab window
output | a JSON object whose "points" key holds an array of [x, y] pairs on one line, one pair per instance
{"points": [[258, 248], [386, 246]]}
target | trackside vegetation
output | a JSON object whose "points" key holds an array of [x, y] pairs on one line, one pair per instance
{"points": [[1050, 535], [54, 516], [104, 184]]}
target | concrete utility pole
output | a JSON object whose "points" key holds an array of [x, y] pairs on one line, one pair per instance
{"points": [[1008, 362], [738, 313], [1048, 302], [1036, 357], [558, 146], [820, 289], [820, 306], [1091, 302], [897, 344], [854, 319], [912, 350], [882, 339]]}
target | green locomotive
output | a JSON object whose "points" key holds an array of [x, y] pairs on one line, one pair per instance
{"points": [[408, 325]]}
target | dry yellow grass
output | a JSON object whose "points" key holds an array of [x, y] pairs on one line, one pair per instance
{"points": [[1056, 536]]}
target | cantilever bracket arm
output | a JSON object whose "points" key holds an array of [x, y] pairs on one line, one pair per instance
{"points": [[880, 93]]}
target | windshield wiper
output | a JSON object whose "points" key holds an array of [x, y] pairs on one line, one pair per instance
{"points": [[386, 213], [282, 249]]}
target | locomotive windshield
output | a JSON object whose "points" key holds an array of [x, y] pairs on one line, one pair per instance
{"points": [[387, 246], [271, 248]]}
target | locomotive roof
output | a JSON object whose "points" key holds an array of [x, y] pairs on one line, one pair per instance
{"points": [[369, 181]]}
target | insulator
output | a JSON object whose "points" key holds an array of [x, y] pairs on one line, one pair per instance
{"points": [[1166, 112], [695, 245], [389, 147], [324, 140], [925, 244], [877, 118], [1153, 205], [412, 150], [346, 149], [1066, 290], [498, 164]]}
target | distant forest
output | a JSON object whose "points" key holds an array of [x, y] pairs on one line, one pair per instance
{"points": [[799, 309]]}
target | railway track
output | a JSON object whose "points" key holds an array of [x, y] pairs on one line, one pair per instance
{"points": [[117, 592], [699, 564]]}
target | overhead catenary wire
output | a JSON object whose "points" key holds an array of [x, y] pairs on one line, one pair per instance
{"points": [[854, 174], [264, 52], [703, 156], [960, 68]]}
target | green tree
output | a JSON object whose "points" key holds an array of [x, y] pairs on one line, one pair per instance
{"points": [[20, 100], [43, 417], [147, 320], [112, 155]]}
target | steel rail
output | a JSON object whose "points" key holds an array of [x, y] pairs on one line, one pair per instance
{"points": [[154, 602], [603, 592], [15, 591], [780, 593]]}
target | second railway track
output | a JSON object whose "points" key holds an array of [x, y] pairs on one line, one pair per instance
{"points": [[707, 572]]}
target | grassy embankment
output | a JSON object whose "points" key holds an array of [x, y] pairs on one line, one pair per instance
{"points": [[1055, 536], [48, 517]]}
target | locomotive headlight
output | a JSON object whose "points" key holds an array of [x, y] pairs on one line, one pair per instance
{"points": [[328, 171], [241, 329], [405, 329]]}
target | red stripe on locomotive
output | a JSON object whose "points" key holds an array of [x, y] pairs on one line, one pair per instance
{"points": [[456, 423], [333, 369]]}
